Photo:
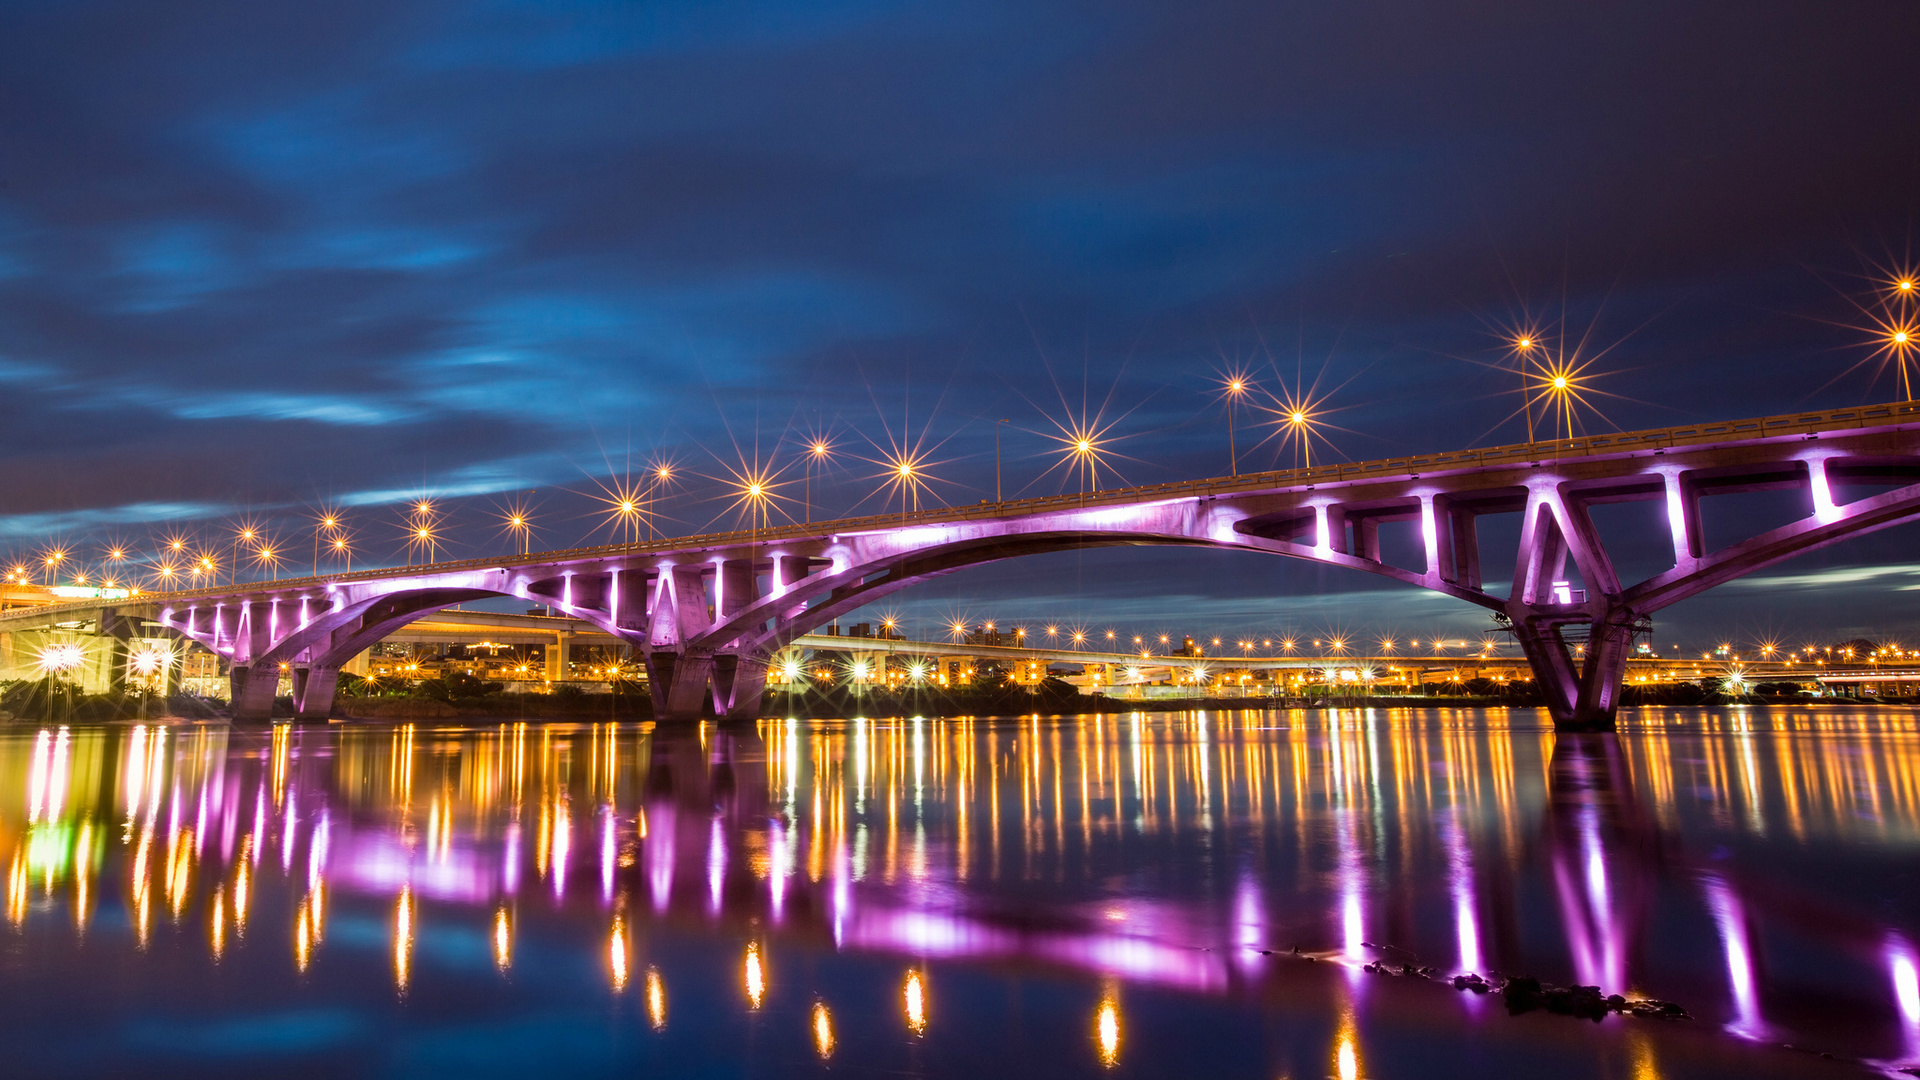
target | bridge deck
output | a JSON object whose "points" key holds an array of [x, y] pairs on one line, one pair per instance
{"points": [[1800, 425]]}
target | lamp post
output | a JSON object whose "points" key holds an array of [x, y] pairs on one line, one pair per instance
{"points": [[1523, 348], [1235, 388], [661, 475], [816, 453], [327, 523]]}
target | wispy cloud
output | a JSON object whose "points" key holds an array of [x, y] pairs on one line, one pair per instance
{"points": [[43, 525], [1837, 577], [324, 408]]}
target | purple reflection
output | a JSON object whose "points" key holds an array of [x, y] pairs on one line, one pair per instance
{"points": [[510, 871], [1730, 917], [609, 853], [1905, 973], [716, 862], [1249, 926], [1460, 871], [945, 935], [382, 864], [660, 855], [779, 864], [561, 845]]}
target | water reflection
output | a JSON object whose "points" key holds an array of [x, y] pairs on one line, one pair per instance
{"points": [[914, 996], [1106, 1029], [1203, 853]]}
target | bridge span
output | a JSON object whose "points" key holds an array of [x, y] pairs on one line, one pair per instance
{"points": [[708, 612]]}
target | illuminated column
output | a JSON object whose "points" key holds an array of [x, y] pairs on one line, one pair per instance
{"points": [[1824, 508], [559, 656], [313, 692], [361, 663], [1683, 517]]}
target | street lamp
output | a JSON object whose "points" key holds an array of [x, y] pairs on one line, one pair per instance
{"points": [[662, 475], [1523, 350], [818, 452], [1236, 386]]}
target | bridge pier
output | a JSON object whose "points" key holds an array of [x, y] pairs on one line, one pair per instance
{"points": [[1583, 698], [254, 688], [314, 689], [739, 685], [678, 685]]}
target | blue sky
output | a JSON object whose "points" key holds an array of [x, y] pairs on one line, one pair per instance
{"points": [[258, 257]]}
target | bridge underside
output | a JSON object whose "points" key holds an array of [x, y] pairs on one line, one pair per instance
{"points": [[707, 614]]}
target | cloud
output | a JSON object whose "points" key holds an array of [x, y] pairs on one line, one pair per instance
{"points": [[324, 408], [18, 371], [38, 526], [1838, 577]]}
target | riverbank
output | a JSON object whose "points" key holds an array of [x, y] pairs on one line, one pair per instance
{"points": [[35, 702]]}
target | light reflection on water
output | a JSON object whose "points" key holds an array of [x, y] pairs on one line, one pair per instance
{"points": [[1146, 893]]}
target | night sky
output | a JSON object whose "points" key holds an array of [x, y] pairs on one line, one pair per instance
{"points": [[257, 257]]}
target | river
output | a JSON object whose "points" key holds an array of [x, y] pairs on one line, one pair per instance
{"points": [[1222, 894]]}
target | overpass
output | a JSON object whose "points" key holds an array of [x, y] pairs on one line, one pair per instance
{"points": [[709, 612]]}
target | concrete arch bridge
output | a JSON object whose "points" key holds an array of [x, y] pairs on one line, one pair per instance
{"points": [[708, 612]]}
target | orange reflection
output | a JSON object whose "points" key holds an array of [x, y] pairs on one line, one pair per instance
{"points": [[1106, 1029], [403, 917], [756, 977], [502, 940], [822, 1030], [617, 953], [914, 998], [656, 1000]]}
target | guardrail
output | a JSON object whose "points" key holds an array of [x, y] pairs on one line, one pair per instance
{"points": [[1892, 415]]}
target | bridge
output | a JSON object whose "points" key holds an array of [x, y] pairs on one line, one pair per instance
{"points": [[707, 613]]}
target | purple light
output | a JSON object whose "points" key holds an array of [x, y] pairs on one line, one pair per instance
{"points": [[716, 862], [1824, 510], [1731, 919], [1905, 973]]}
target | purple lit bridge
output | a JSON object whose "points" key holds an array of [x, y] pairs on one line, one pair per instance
{"points": [[708, 612]]}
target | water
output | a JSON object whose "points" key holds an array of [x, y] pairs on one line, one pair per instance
{"points": [[1081, 896]]}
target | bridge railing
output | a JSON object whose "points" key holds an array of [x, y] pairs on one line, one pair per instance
{"points": [[1866, 417]]}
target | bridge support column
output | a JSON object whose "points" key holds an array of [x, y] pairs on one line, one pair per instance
{"points": [[314, 689], [1583, 698], [253, 692], [678, 685], [743, 681]]}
